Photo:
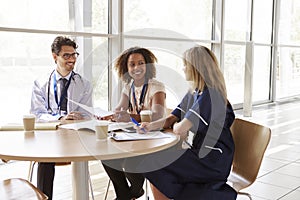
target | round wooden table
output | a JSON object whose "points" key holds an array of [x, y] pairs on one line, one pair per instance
{"points": [[78, 147]]}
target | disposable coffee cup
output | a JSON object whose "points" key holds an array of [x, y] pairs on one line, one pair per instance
{"points": [[101, 128], [146, 115], [29, 122]]}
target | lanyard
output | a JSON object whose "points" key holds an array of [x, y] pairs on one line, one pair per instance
{"points": [[138, 107], [63, 93]]}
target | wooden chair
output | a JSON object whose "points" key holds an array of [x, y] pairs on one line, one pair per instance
{"points": [[251, 141], [32, 164], [18, 188]]}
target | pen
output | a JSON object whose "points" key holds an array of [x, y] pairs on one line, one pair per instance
{"points": [[136, 123]]}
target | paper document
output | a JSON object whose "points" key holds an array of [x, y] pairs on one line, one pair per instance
{"points": [[37, 126], [124, 136], [91, 125], [95, 111]]}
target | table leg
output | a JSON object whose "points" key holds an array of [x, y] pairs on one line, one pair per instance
{"points": [[80, 180]]}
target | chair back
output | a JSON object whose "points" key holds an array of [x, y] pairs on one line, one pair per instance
{"points": [[18, 188], [251, 141]]}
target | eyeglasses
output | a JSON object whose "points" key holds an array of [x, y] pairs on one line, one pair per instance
{"points": [[67, 56]]}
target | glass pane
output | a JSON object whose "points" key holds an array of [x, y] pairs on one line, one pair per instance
{"points": [[262, 21], [289, 30], [288, 72], [234, 72], [22, 60], [261, 73], [96, 65], [191, 18], [236, 21], [234, 66], [35, 14], [28, 57], [99, 16], [55, 15]]}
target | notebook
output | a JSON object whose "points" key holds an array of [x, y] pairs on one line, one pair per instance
{"points": [[37, 126]]}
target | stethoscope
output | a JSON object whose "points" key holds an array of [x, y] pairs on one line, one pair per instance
{"points": [[64, 92]]}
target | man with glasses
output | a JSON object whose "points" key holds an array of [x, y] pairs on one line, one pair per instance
{"points": [[50, 100]]}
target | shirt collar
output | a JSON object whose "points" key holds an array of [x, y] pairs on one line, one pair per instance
{"points": [[58, 76]]}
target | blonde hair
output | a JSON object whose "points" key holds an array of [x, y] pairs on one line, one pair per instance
{"points": [[203, 66]]}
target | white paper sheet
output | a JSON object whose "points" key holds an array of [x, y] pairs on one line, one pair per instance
{"points": [[124, 136], [91, 125], [95, 111]]}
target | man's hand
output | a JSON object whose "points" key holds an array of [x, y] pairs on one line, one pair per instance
{"points": [[74, 115]]}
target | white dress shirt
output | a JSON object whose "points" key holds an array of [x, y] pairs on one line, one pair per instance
{"points": [[80, 90]]}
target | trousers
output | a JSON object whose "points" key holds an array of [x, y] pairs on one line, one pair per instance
{"points": [[122, 189], [45, 178]]}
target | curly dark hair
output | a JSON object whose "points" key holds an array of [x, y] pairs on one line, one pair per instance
{"points": [[60, 41], [121, 63]]}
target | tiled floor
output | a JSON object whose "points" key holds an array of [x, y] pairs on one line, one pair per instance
{"points": [[279, 176]]}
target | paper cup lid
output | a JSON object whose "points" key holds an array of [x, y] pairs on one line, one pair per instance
{"points": [[146, 112], [29, 116], [102, 123]]}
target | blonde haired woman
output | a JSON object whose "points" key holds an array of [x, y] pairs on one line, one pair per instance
{"points": [[206, 112]]}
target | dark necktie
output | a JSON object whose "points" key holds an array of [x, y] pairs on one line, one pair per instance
{"points": [[63, 104]]}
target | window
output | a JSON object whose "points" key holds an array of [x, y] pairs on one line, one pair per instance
{"points": [[167, 28], [243, 27], [30, 29], [23, 59], [88, 15], [175, 26], [262, 21], [288, 70], [192, 19]]}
